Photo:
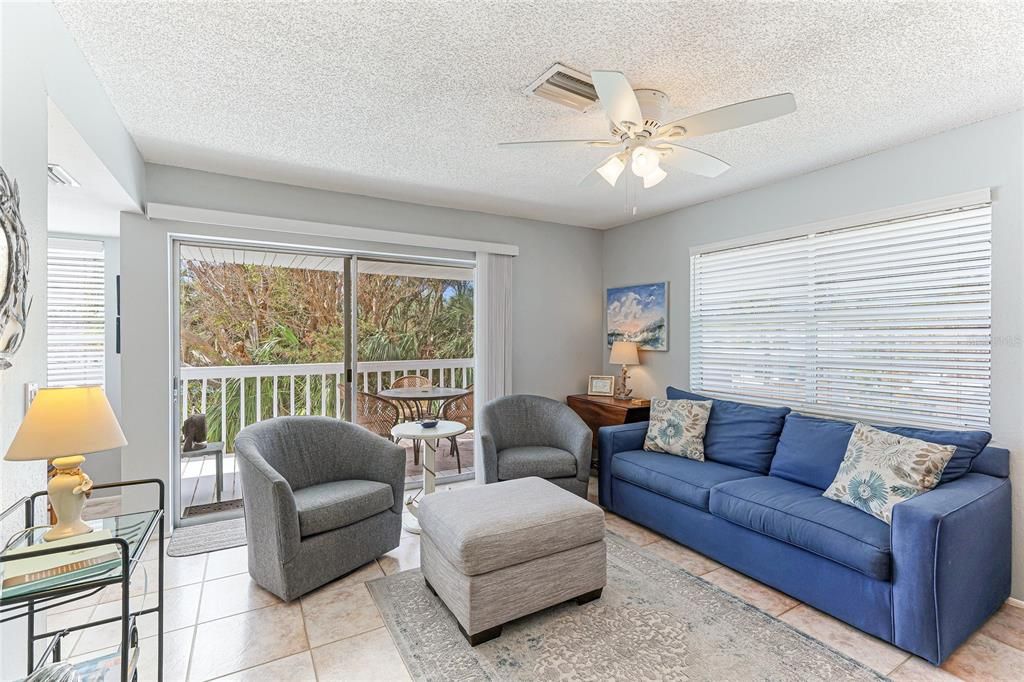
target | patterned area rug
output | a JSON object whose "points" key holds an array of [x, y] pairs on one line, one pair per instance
{"points": [[654, 621], [208, 537]]}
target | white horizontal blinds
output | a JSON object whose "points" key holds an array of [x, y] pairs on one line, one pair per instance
{"points": [[886, 322], [75, 312], [750, 322]]}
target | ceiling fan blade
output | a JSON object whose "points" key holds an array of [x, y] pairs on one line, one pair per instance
{"points": [[729, 117], [692, 161], [617, 99], [586, 143]]}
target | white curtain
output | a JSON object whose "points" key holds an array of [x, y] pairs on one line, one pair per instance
{"points": [[493, 345]]}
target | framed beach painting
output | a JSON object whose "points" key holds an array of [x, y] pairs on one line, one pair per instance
{"points": [[639, 313]]}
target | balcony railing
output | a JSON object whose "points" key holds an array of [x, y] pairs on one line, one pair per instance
{"points": [[233, 396]]}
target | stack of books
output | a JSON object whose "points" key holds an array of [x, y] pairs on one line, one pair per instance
{"points": [[37, 573]]}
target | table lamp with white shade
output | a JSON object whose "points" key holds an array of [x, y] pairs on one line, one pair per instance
{"points": [[63, 424], [623, 353]]}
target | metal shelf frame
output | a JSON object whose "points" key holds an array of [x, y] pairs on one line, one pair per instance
{"points": [[30, 604]]}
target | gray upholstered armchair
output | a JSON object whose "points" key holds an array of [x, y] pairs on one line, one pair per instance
{"points": [[527, 435], [322, 497]]}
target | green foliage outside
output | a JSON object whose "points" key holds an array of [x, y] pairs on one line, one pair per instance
{"points": [[233, 314]]}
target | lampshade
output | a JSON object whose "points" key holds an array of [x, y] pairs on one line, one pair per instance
{"points": [[611, 169], [624, 353], [654, 177], [645, 160], [66, 421]]}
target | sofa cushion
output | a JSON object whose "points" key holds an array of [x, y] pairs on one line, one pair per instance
{"points": [[684, 480], [969, 445], [535, 460], [483, 528], [810, 449], [327, 506], [739, 434], [800, 516]]}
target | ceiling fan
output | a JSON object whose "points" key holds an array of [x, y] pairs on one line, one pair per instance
{"points": [[637, 124]]}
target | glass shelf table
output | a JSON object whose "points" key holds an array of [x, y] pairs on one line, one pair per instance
{"points": [[126, 536]]}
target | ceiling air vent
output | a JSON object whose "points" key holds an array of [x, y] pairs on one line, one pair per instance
{"points": [[565, 86], [58, 176]]}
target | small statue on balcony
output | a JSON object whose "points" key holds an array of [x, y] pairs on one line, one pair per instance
{"points": [[194, 433]]}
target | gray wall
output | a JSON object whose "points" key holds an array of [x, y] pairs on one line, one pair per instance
{"points": [[985, 154], [23, 146], [556, 298], [39, 59]]}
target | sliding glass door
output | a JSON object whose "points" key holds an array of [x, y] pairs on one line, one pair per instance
{"points": [[414, 336], [262, 332], [272, 331]]}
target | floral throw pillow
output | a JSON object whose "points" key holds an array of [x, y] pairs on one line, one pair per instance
{"points": [[677, 427], [881, 469]]}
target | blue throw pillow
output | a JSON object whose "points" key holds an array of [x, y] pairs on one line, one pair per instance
{"points": [[739, 434], [969, 445], [811, 448]]}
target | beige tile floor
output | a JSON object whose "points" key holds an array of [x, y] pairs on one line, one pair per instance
{"points": [[220, 625]]}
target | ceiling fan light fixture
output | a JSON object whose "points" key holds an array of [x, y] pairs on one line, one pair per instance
{"points": [[611, 169], [645, 161], [654, 177]]}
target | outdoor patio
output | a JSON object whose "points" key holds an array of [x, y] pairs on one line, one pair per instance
{"points": [[275, 390]]}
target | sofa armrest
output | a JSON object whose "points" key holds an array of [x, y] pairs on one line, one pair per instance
{"points": [[951, 563], [610, 440], [271, 517]]}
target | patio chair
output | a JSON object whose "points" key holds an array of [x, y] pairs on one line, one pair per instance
{"points": [[413, 381], [322, 498], [375, 414], [459, 410]]}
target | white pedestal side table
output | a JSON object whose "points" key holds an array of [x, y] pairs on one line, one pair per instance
{"points": [[430, 438]]}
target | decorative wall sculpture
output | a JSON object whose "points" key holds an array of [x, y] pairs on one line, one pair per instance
{"points": [[14, 299]]}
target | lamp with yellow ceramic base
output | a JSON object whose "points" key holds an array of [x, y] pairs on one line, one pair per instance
{"points": [[63, 424]]}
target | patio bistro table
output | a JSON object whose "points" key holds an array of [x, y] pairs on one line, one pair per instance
{"points": [[413, 398], [430, 438]]}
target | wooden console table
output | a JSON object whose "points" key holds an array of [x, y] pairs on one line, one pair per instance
{"points": [[599, 410]]}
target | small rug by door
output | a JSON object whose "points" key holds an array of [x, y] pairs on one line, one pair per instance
{"points": [[654, 621], [208, 537]]}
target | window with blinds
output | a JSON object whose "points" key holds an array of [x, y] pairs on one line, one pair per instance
{"points": [[886, 322], [75, 310]]}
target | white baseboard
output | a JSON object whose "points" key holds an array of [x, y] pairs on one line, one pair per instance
{"points": [[1015, 602]]}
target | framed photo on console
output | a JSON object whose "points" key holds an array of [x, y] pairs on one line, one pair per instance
{"points": [[600, 385]]}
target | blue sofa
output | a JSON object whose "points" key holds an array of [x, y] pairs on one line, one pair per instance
{"points": [[755, 504]]}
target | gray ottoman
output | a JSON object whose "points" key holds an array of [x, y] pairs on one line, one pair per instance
{"points": [[497, 552]]}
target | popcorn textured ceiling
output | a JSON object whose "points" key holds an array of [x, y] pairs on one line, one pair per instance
{"points": [[407, 100]]}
